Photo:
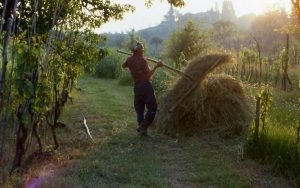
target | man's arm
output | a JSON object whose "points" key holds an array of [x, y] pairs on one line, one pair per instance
{"points": [[125, 64], [151, 72]]}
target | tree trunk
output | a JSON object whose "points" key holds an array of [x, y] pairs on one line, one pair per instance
{"points": [[10, 146], [8, 105], [37, 136], [3, 16], [4, 66], [298, 133], [285, 77], [21, 139], [267, 73], [285, 69], [54, 136]]}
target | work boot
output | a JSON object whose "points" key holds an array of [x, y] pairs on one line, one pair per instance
{"points": [[138, 128], [142, 129]]}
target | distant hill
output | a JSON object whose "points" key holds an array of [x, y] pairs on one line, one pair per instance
{"points": [[174, 20], [164, 29]]}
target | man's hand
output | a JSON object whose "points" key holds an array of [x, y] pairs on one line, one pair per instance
{"points": [[124, 65], [159, 64]]}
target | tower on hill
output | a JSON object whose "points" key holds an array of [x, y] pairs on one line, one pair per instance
{"points": [[228, 12]]}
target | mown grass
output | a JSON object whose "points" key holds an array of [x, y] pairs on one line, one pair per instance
{"points": [[121, 158], [212, 172], [119, 163]]}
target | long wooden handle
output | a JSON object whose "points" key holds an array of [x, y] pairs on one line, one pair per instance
{"points": [[165, 65], [194, 86]]}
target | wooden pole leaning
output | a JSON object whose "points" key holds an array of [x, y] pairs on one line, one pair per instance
{"points": [[194, 86], [166, 66]]}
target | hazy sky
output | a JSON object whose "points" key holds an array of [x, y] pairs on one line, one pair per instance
{"points": [[144, 17]]}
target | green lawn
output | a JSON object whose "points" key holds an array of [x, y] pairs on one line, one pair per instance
{"points": [[120, 157]]}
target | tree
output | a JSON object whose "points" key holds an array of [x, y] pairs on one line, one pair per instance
{"points": [[52, 40], [225, 34], [75, 14], [296, 5], [189, 42], [156, 41], [176, 3], [264, 28]]}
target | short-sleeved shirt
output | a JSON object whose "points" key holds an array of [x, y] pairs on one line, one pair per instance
{"points": [[138, 67]]}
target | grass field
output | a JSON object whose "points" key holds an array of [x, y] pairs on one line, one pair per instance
{"points": [[119, 157]]}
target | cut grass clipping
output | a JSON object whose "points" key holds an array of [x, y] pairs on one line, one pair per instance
{"points": [[217, 105]]}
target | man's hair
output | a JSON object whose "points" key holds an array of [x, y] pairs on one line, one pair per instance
{"points": [[135, 46]]}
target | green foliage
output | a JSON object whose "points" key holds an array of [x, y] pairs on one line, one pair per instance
{"points": [[107, 68], [125, 78], [161, 82], [285, 110], [265, 103], [28, 84], [264, 29], [116, 40], [71, 54], [176, 3], [225, 34], [190, 41], [156, 41], [283, 57], [248, 56], [248, 59], [277, 146], [277, 141], [78, 14], [110, 66]]}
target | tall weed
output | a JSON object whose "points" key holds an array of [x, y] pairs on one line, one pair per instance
{"points": [[277, 143], [110, 66]]}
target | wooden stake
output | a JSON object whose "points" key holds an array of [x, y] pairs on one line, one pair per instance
{"points": [[194, 86]]}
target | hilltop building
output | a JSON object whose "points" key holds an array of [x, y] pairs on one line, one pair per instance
{"points": [[228, 12]]}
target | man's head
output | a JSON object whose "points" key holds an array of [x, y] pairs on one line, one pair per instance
{"points": [[137, 47]]}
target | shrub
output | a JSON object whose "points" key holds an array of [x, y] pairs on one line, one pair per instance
{"points": [[161, 81], [277, 143], [110, 66], [277, 146], [125, 78]]}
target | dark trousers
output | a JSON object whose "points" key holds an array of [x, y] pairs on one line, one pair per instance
{"points": [[144, 97]]}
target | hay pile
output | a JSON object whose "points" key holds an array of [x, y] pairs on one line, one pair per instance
{"points": [[218, 105]]}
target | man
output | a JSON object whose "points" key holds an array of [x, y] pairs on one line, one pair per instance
{"points": [[143, 90]]}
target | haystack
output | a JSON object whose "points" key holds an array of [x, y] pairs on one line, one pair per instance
{"points": [[217, 105]]}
